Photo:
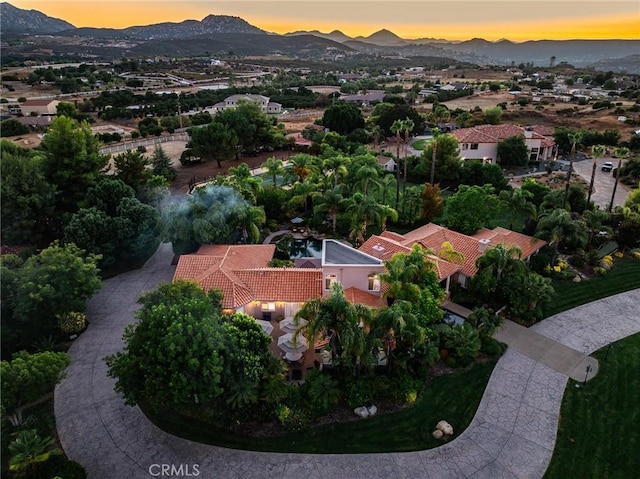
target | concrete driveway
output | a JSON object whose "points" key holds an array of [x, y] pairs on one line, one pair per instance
{"points": [[511, 436], [603, 183]]}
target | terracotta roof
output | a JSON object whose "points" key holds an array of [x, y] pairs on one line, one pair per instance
{"points": [[37, 102], [497, 133], [292, 285], [527, 244], [357, 296], [240, 272]]}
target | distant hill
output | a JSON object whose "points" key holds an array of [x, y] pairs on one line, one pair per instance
{"points": [[383, 38], [336, 35], [16, 20]]}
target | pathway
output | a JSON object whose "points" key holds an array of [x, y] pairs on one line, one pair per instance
{"points": [[511, 436]]}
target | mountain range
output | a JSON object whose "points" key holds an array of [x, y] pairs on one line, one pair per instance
{"points": [[222, 33]]}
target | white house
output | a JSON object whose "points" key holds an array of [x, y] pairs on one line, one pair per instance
{"points": [[263, 101], [481, 142]]}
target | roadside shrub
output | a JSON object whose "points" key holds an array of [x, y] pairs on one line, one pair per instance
{"points": [[72, 322], [491, 346]]}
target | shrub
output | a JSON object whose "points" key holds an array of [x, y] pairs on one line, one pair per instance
{"points": [[578, 259], [72, 322], [598, 271], [491, 346]]}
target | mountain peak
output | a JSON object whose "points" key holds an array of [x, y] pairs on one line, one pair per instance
{"points": [[14, 19]]}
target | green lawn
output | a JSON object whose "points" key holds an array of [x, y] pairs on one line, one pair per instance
{"points": [[453, 398], [420, 144], [599, 433], [624, 276]]}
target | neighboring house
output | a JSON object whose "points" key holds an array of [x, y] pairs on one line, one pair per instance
{"points": [[481, 142], [389, 164], [263, 101], [372, 96], [455, 86], [39, 107]]}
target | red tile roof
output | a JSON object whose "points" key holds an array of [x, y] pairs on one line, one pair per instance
{"points": [[357, 296], [527, 244], [497, 133], [240, 272]]}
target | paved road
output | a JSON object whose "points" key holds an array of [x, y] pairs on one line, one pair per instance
{"points": [[603, 182], [511, 436]]}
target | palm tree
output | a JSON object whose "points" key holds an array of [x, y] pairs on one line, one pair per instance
{"points": [[365, 175], [405, 273], [516, 201], [343, 322], [621, 152], [597, 151], [274, 168], [377, 133], [336, 166], [384, 185], [251, 222], [302, 193], [434, 133], [448, 253], [558, 227], [28, 448], [330, 202], [408, 124], [576, 139], [302, 165], [413, 198], [499, 259], [594, 221], [240, 178], [396, 127]]}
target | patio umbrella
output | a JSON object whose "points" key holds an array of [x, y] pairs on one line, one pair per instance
{"points": [[297, 220], [290, 325], [267, 327], [287, 343]]}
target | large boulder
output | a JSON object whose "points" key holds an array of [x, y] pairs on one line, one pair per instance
{"points": [[437, 434], [361, 411], [372, 410], [445, 427]]}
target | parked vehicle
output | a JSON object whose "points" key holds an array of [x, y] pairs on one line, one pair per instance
{"points": [[607, 167]]}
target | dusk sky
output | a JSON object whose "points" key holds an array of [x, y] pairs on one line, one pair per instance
{"points": [[516, 20]]}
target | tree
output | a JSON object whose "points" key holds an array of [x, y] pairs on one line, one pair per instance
{"points": [[500, 259], [334, 317], [513, 151], [57, 280], [214, 141], [343, 118], [475, 172], [537, 190], [72, 161], [161, 164], [172, 356], [365, 210], [493, 115], [444, 150], [274, 168], [28, 377], [212, 214], [558, 228], [12, 127], [597, 151], [330, 203], [432, 202], [471, 208], [132, 169], [396, 128], [29, 449], [26, 197], [384, 115], [575, 139], [464, 341], [515, 201]]}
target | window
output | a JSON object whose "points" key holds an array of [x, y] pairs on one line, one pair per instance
{"points": [[465, 146], [329, 280], [533, 154], [374, 283], [474, 146], [268, 306]]}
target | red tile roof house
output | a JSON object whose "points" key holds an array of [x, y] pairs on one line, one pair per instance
{"points": [[481, 142], [432, 237]]}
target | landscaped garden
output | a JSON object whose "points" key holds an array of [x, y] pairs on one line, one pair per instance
{"points": [[598, 435]]}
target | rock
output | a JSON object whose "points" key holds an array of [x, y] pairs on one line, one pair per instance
{"points": [[372, 410], [437, 434], [577, 279], [361, 411], [445, 427]]}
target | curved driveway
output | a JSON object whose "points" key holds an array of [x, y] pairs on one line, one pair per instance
{"points": [[511, 436]]}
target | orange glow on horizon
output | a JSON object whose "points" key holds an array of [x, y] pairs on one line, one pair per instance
{"points": [[105, 14]]}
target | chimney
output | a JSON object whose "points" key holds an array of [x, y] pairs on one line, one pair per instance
{"points": [[528, 132], [483, 244]]}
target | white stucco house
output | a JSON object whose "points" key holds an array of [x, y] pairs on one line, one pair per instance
{"points": [[481, 142], [263, 101]]}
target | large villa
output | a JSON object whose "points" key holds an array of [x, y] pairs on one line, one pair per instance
{"points": [[274, 295]]}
